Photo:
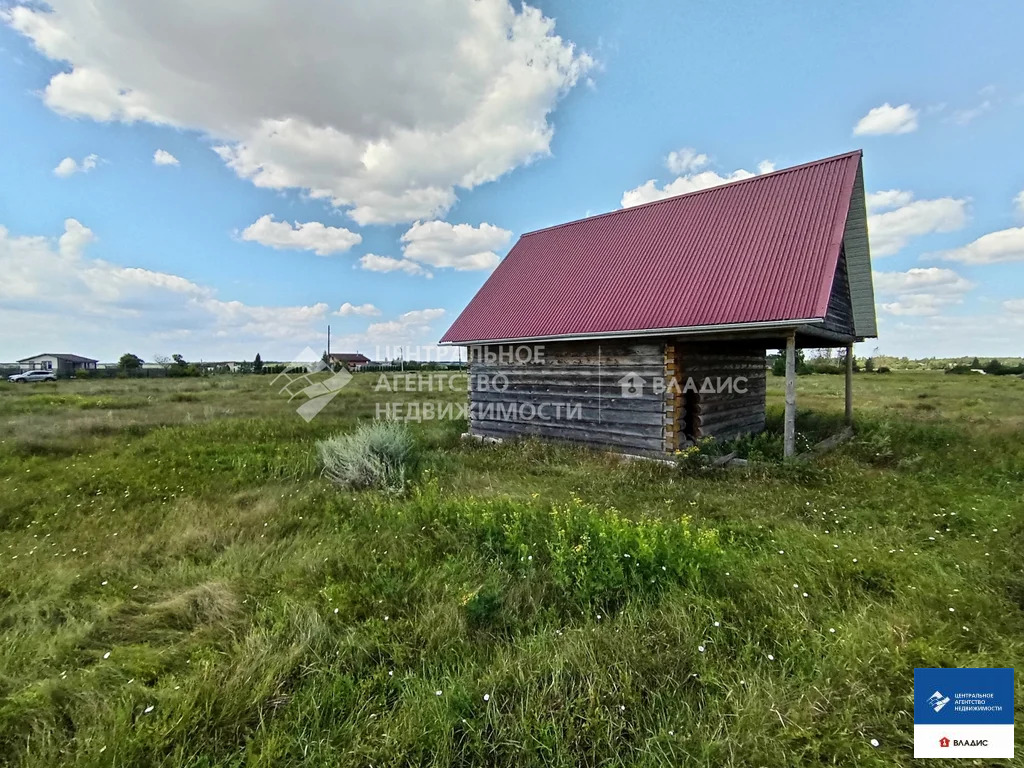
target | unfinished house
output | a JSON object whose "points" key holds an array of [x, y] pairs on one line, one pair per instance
{"points": [[644, 329]]}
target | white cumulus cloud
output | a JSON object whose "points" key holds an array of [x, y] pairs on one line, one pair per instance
{"points": [[347, 310], [888, 199], [460, 246], [163, 157], [375, 263], [920, 291], [75, 238], [409, 325], [690, 181], [1018, 201], [993, 248], [685, 160], [400, 103], [307, 236], [921, 280], [894, 218], [887, 119], [69, 166]]}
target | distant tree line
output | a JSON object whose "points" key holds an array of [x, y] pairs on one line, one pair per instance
{"points": [[822, 362], [993, 367]]}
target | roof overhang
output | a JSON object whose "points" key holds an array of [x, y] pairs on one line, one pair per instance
{"points": [[692, 330]]}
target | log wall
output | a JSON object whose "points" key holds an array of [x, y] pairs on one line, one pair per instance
{"points": [[581, 392], [583, 382], [723, 415]]}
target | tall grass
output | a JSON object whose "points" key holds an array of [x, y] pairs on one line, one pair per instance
{"points": [[380, 454]]}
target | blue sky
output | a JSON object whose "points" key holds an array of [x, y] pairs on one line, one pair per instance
{"points": [[415, 141]]}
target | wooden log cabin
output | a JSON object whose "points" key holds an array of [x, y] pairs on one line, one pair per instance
{"points": [[645, 329]]}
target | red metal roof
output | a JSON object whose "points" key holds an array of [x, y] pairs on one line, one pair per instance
{"points": [[760, 250]]}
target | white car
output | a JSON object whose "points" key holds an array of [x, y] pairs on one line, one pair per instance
{"points": [[27, 376]]}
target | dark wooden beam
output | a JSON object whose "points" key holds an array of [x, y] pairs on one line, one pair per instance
{"points": [[790, 421]]}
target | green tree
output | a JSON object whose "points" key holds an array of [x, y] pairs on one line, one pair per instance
{"points": [[779, 364], [181, 367], [993, 366], [257, 364], [129, 362], [869, 364], [975, 363]]}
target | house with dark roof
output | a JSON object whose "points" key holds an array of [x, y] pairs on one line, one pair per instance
{"points": [[645, 329], [351, 360], [59, 362]]}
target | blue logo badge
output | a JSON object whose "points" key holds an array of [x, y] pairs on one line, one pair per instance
{"points": [[966, 712]]}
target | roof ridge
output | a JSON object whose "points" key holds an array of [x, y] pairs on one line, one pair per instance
{"points": [[756, 177]]}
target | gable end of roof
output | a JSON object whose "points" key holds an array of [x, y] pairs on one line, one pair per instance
{"points": [[858, 261]]}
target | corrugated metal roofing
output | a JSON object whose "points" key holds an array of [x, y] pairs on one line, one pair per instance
{"points": [[62, 356], [758, 251]]}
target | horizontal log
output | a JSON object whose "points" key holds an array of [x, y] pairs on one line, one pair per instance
{"points": [[591, 439], [568, 349], [610, 386], [604, 428], [593, 387], [701, 359], [568, 372], [725, 417], [725, 431], [710, 353], [626, 409], [725, 403], [698, 372], [610, 416], [613, 361]]}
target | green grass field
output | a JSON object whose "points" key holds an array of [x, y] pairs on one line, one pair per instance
{"points": [[179, 586]]}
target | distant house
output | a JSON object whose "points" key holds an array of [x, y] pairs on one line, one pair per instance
{"points": [[645, 329], [232, 366], [351, 360], [57, 362]]}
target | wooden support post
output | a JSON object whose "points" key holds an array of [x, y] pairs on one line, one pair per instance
{"points": [[790, 427], [672, 401], [849, 384]]}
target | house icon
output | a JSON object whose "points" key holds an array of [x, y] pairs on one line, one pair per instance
{"points": [[943, 742], [632, 385]]}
